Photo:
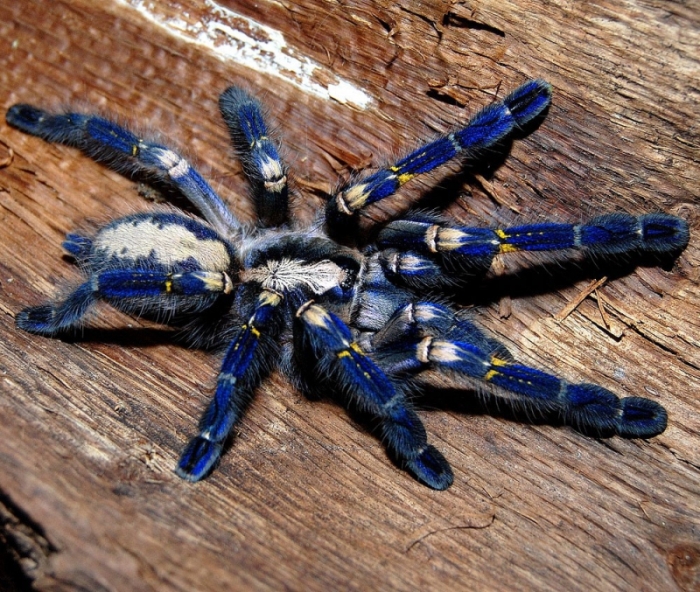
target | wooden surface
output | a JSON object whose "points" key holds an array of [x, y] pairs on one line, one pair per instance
{"points": [[305, 499]]}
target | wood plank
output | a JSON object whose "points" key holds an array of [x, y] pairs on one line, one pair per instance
{"points": [[305, 498]]}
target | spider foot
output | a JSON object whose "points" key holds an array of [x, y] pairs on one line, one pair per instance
{"points": [[431, 468], [40, 123], [664, 233], [50, 319], [594, 410], [37, 319], [198, 459], [641, 418]]}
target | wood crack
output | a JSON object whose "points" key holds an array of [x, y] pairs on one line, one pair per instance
{"points": [[26, 550]]}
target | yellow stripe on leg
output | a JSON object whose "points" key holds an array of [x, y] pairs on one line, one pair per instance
{"points": [[505, 247], [402, 177], [495, 364]]}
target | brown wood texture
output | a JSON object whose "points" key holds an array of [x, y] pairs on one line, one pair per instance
{"points": [[305, 499]]}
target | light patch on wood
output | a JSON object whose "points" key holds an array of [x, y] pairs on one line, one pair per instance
{"points": [[231, 36], [168, 244]]}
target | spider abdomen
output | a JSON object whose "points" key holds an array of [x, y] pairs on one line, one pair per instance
{"points": [[164, 241]]}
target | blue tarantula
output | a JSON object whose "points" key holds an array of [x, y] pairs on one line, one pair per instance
{"points": [[362, 321]]}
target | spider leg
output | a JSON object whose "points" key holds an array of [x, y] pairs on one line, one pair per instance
{"points": [[488, 127], [52, 319], [127, 283], [262, 164], [79, 247], [241, 372], [329, 341], [117, 147], [129, 290], [418, 247], [426, 336]]}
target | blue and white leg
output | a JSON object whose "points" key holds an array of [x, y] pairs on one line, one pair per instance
{"points": [[147, 288], [465, 351], [241, 371], [417, 248], [487, 128], [330, 343], [117, 147], [394, 344], [587, 407], [52, 319], [261, 161], [144, 284], [79, 247]]}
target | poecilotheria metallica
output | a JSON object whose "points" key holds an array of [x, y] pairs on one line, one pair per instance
{"points": [[373, 322]]}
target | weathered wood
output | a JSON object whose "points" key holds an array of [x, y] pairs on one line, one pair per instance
{"points": [[306, 499]]}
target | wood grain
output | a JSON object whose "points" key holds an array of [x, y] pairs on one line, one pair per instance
{"points": [[305, 499]]}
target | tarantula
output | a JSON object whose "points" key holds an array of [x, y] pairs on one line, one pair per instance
{"points": [[362, 321]]}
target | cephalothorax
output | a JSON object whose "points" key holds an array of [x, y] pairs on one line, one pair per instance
{"points": [[364, 322]]}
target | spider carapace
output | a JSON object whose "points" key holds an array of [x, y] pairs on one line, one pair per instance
{"points": [[372, 323]]}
